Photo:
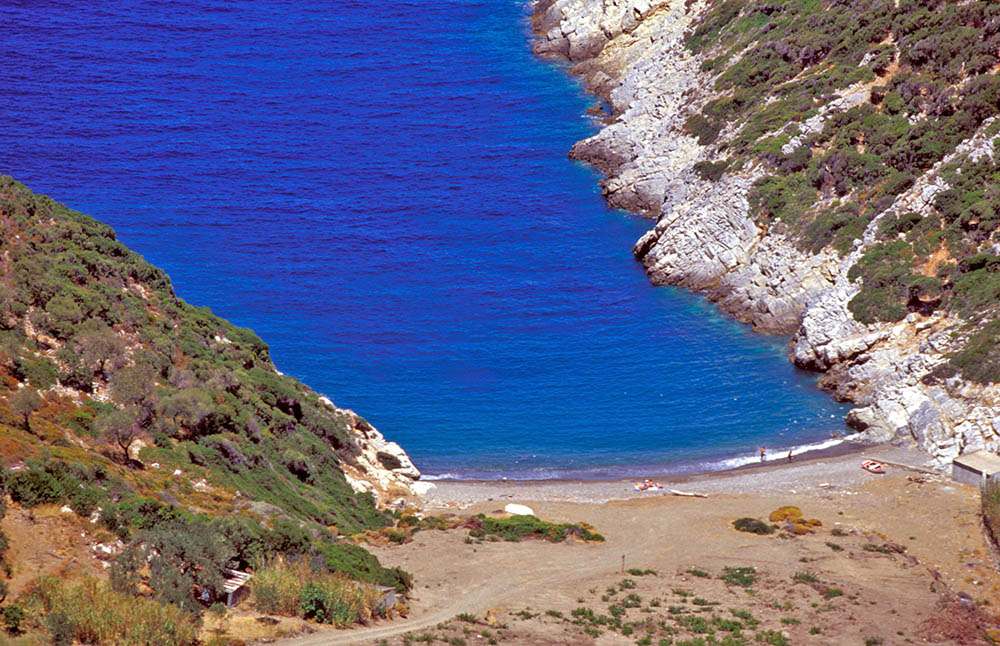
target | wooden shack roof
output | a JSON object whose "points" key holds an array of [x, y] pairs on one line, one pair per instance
{"points": [[235, 580], [980, 461]]}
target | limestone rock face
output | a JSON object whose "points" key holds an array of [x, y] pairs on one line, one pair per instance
{"points": [[381, 467], [630, 53]]}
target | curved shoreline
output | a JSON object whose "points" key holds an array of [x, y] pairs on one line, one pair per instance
{"points": [[632, 54], [680, 472], [822, 471]]}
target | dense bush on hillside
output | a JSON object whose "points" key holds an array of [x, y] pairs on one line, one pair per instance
{"points": [[89, 612], [104, 321], [296, 590], [239, 466], [929, 68], [179, 555]]}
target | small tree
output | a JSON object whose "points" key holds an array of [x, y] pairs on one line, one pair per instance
{"points": [[186, 562], [13, 615], [100, 348], [10, 346], [188, 408], [134, 385], [121, 428], [25, 402]]}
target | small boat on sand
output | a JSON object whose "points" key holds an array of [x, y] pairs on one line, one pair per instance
{"points": [[873, 466]]}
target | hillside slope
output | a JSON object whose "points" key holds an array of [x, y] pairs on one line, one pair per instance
{"points": [[818, 168], [99, 333]]}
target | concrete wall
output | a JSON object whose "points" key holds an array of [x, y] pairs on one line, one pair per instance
{"points": [[966, 475]]}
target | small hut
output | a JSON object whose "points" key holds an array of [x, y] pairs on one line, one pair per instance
{"points": [[975, 468], [235, 587], [389, 599]]}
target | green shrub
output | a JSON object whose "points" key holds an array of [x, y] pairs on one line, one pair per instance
{"points": [[357, 563], [40, 372], [12, 615], [782, 198], [832, 593], [88, 611], [753, 526], [706, 131], [711, 170], [886, 272], [185, 555], [979, 360], [741, 576], [805, 577], [296, 590], [33, 486], [642, 572], [772, 637], [518, 528]]}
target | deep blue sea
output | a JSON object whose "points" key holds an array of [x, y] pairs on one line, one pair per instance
{"points": [[381, 191]]}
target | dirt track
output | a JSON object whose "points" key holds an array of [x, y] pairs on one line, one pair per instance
{"points": [[936, 521]]}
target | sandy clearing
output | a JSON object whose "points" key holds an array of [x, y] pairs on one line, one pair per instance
{"points": [[934, 519]]}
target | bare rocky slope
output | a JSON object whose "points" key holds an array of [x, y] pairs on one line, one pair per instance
{"points": [[637, 55]]}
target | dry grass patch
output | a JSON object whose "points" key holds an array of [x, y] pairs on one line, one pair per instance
{"points": [[89, 612], [295, 590]]}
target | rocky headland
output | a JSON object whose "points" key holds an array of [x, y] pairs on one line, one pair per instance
{"points": [[673, 148]]}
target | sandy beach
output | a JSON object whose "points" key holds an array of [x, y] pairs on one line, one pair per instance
{"points": [[822, 469], [897, 558]]}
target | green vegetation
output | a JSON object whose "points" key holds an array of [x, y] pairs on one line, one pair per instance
{"points": [[12, 616], [832, 593], [990, 509], [805, 577], [634, 571], [358, 563], [104, 318], [772, 637], [518, 528], [295, 589], [753, 526], [239, 465], [877, 548], [90, 612], [741, 576], [929, 65]]}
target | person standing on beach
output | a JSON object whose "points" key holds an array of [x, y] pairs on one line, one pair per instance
{"points": [[763, 453], [789, 455]]}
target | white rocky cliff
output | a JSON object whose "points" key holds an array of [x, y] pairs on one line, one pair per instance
{"points": [[382, 468], [631, 54]]}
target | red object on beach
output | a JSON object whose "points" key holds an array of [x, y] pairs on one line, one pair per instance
{"points": [[873, 466]]}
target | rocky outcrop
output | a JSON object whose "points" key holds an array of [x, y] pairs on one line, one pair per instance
{"points": [[631, 54], [380, 467], [889, 369]]}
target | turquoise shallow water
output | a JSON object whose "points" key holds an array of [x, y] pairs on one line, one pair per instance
{"points": [[381, 191]]}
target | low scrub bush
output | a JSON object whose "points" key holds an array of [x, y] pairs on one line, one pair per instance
{"points": [[711, 170], [805, 577], [294, 589], [979, 360], [12, 616], [90, 612], [990, 507], [357, 563], [753, 526], [741, 576], [518, 528]]}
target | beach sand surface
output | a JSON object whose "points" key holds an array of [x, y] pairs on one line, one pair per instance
{"points": [[900, 558]]}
